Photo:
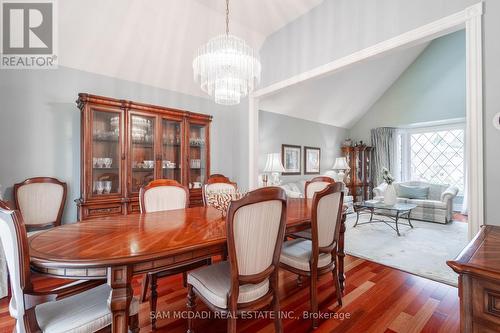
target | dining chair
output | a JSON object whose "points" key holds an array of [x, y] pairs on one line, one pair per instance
{"points": [[248, 281], [161, 195], [311, 187], [41, 202], [316, 184], [78, 307], [318, 256], [217, 183]]}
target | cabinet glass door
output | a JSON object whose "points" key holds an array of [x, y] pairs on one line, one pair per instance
{"points": [[171, 150], [142, 146], [198, 157], [106, 152], [368, 176], [358, 160]]}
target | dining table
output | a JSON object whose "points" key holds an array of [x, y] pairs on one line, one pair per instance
{"points": [[116, 248]]}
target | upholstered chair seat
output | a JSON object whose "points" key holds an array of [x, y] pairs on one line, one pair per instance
{"points": [[78, 307], [317, 184], [248, 280], [162, 195], [297, 253], [85, 312], [214, 283], [318, 255]]}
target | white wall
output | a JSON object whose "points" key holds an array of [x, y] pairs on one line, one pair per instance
{"points": [[276, 129], [339, 27]]}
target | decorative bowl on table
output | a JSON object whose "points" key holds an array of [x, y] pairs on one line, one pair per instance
{"points": [[220, 200]]}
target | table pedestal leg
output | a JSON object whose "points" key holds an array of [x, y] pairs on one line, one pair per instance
{"points": [[397, 220], [341, 253], [119, 279]]}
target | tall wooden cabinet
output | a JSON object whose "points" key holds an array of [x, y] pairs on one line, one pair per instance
{"points": [[125, 145], [359, 178]]}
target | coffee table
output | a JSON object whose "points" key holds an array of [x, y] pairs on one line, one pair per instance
{"points": [[387, 214]]}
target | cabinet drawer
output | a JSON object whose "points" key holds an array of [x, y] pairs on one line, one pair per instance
{"points": [[486, 304], [134, 207], [102, 210]]}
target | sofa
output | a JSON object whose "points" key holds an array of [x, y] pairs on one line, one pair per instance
{"points": [[436, 207], [297, 190]]}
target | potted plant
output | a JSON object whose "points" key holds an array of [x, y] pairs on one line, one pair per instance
{"points": [[390, 192]]}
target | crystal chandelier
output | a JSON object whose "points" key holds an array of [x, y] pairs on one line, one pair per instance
{"points": [[226, 67]]}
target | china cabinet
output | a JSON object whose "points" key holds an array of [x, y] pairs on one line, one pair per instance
{"points": [[125, 145], [359, 177]]}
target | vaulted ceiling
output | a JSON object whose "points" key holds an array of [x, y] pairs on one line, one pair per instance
{"points": [[153, 41], [342, 98]]}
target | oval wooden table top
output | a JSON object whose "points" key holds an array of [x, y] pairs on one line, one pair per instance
{"points": [[136, 238]]}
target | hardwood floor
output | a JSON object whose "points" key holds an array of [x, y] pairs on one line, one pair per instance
{"points": [[377, 299]]}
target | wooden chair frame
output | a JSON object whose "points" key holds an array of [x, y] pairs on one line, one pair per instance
{"points": [[215, 179], [45, 180], [314, 271], [32, 297], [271, 273], [151, 278], [306, 234]]}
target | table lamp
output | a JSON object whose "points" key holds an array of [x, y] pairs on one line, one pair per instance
{"points": [[341, 167], [274, 166]]}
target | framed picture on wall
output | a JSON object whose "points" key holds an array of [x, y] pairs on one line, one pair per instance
{"points": [[290, 158], [312, 159]]}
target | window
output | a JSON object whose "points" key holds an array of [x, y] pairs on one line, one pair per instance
{"points": [[434, 154]]}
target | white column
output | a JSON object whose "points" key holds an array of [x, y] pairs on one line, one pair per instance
{"points": [[253, 142], [474, 133]]}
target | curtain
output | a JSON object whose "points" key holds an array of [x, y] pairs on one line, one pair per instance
{"points": [[384, 152]]}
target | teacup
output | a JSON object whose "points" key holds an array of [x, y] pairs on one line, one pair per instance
{"points": [[100, 162], [99, 186], [107, 186], [107, 162]]}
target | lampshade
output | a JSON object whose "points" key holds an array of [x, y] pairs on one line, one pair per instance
{"points": [[341, 164], [273, 163]]}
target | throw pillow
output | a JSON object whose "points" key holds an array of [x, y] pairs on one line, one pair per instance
{"points": [[413, 192]]}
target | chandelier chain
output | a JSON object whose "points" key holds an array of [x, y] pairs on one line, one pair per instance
{"points": [[227, 17]]}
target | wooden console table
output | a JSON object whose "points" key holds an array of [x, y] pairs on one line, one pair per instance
{"points": [[479, 282], [117, 247]]}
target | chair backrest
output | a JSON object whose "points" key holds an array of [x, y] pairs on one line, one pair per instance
{"points": [[163, 194], [15, 246], [217, 183], [317, 184], [326, 215], [41, 201], [255, 231]]}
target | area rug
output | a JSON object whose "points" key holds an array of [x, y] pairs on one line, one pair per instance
{"points": [[422, 250]]}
